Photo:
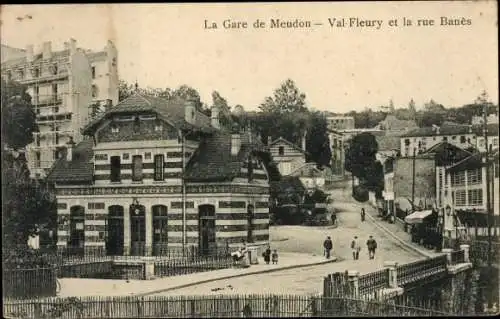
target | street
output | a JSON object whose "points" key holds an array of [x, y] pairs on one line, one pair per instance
{"points": [[309, 240]]}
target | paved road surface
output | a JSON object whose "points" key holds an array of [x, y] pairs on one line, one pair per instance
{"points": [[309, 240]]}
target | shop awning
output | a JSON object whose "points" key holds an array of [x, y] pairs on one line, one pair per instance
{"points": [[417, 217]]}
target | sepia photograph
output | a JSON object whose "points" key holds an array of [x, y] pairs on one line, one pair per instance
{"points": [[267, 159]]}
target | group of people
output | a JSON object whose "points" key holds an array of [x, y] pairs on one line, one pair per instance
{"points": [[268, 255], [371, 244]]}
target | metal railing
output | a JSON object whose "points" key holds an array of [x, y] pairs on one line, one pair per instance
{"points": [[420, 269], [374, 281]]}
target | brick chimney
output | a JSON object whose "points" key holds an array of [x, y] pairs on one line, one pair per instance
{"points": [[190, 110], [214, 117], [30, 53], [69, 149], [47, 50]]}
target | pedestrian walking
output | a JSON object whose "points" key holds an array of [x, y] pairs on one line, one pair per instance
{"points": [[275, 257], [355, 248], [362, 214], [328, 245], [267, 255], [372, 245]]}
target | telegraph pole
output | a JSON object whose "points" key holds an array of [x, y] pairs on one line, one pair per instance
{"points": [[413, 181], [488, 206]]}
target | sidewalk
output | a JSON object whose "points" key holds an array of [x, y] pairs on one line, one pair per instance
{"points": [[398, 233], [77, 287]]}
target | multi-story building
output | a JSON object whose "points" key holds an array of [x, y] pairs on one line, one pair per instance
{"points": [[492, 119], [338, 151], [104, 73], [11, 53], [62, 90], [467, 183], [156, 175], [337, 122], [462, 136], [426, 185], [288, 156]]}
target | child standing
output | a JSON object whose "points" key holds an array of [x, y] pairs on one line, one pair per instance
{"points": [[275, 257]]}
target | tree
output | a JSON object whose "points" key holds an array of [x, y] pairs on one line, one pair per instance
{"points": [[317, 142], [360, 155], [412, 108], [18, 117], [224, 110], [124, 90], [287, 98], [185, 92], [24, 204]]}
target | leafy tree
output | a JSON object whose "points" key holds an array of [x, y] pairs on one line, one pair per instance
{"points": [[124, 90], [360, 155], [287, 98], [18, 118], [24, 204], [412, 108], [317, 142], [429, 118], [224, 109], [184, 92], [374, 179]]}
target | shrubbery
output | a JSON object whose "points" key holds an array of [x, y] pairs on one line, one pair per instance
{"points": [[360, 193]]}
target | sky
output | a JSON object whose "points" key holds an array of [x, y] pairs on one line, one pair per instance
{"points": [[338, 68]]}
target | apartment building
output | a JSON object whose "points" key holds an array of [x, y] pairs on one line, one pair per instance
{"points": [[63, 85], [462, 136], [336, 122], [467, 182]]}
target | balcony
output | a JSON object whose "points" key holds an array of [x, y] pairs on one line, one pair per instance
{"points": [[54, 99], [45, 78]]}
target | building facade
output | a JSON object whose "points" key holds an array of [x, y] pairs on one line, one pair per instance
{"points": [[462, 136], [157, 175], [335, 122], [287, 155], [338, 151], [467, 182], [60, 84]]}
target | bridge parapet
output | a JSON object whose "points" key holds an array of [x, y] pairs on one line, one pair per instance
{"points": [[393, 278]]}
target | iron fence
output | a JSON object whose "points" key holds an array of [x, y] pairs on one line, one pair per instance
{"points": [[166, 268], [69, 255], [371, 282], [420, 269], [206, 306]]}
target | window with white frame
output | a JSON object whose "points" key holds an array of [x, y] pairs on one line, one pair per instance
{"points": [[460, 198], [475, 197], [458, 179], [474, 176]]}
